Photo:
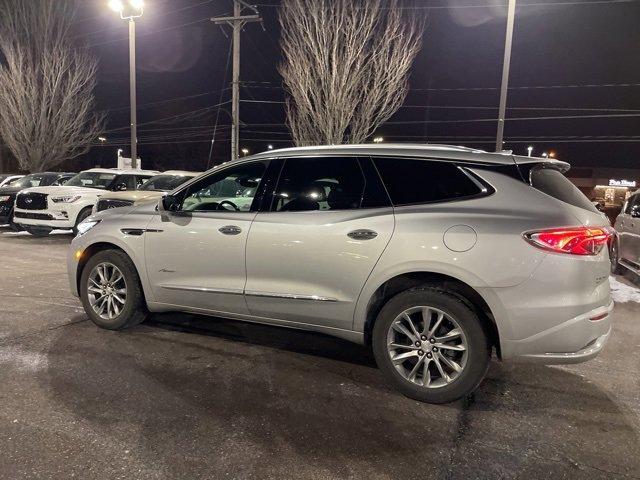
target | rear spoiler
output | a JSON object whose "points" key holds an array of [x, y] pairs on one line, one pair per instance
{"points": [[530, 162]]}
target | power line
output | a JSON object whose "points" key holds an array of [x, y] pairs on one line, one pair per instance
{"points": [[504, 5]]}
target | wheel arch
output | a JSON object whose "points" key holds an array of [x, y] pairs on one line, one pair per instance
{"points": [[98, 247], [405, 281]]}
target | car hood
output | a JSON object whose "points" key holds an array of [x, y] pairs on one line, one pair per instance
{"points": [[63, 190], [133, 195]]}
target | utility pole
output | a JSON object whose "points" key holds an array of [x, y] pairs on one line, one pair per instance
{"points": [[505, 74], [237, 22]]}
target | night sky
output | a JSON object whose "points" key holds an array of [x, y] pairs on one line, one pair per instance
{"points": [[559, 47]]}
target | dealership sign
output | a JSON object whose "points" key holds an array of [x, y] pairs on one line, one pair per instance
{"points": [[622, 183]]}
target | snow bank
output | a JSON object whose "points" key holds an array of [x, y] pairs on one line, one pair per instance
{"points": [[621, 292]]}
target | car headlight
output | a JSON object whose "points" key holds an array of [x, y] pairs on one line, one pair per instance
{"points": [[4, 198], [87, 225], [65, 199]]}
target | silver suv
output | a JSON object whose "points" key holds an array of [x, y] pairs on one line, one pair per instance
{"points": [[435, 256], [626, 252]]}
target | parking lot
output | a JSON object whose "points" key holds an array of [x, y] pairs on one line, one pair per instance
{"points": [[189, 397]]}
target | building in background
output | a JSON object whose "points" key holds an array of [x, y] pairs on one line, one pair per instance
{"points": [[610, 187]]}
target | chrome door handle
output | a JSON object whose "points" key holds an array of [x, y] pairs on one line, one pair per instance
{"points": [[362, 234], [230, 230]]}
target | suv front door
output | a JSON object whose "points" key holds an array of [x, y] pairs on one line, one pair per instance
{"points": [[310, 253], [196, 254]]}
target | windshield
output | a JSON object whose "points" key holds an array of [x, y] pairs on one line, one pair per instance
{"points": [[164, 183], [101, 180], [33, 180]]}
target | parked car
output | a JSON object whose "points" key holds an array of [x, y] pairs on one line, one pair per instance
{"points": [[8, 193], [626, 253], [152, 189], [433, 255], [40, 210], [7, 179]]}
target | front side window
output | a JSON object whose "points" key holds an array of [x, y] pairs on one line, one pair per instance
{"points": [[34, 180], [633, 206], [308, 184], [233, 189], [416, 181], [100, 180]]}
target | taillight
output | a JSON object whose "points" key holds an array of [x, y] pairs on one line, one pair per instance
{"points": [[574, 241]]}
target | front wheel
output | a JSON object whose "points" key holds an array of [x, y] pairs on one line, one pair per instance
{"points": [[111, 292], [431, 345]]}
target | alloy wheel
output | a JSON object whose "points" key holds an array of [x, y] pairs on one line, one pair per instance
{"points": [[107, 290], [427, 347]]}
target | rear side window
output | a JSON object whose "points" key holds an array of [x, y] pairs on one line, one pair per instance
{"points": [[308, 184], [554, 183], [412, 182]]}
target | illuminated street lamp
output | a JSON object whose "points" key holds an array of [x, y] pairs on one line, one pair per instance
{"points": [[131, 10], [378, 139], [529, 150], [245, 152], [269, 147]]}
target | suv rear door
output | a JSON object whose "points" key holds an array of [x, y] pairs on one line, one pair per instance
{"points": [[319, 237]]}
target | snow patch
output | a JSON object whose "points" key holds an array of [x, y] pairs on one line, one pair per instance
{"points": [[622, 293], [31, 362]]}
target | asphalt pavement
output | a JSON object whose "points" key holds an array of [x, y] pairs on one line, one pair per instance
{"points": [[186, 397]]}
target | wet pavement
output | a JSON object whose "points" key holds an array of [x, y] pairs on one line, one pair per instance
{"points": [[193, 397]]}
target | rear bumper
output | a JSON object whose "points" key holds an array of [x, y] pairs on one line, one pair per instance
{"points": [[557, 345]]}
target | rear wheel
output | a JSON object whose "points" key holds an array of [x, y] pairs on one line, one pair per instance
{"points": [[111, 292], [431, 345]]}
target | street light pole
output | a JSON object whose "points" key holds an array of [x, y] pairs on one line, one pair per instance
{"points": [[506, 65], [132, 93], [134, 9]]}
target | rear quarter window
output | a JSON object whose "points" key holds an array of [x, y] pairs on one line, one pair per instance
{"points": [[555, 184], [416, 181]]}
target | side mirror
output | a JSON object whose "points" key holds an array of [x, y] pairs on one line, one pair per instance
{"points": [[635, 212], [121, 187], [169, 203]]}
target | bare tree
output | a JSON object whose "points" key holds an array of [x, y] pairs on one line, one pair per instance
{"points": [[47, 107], [346, 66]]}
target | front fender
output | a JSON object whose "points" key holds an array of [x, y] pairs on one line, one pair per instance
{"points": [[101, 237]]}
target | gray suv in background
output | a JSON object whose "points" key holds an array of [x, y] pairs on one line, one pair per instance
{"points": [[627, 250], [435, 256]]}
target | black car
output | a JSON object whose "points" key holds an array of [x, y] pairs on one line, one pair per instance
{"points": [[8, 194]]}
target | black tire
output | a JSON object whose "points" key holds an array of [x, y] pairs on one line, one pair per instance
{"points": [[38, 231], [135, 310], [13, 225], [614, 257], [84, 213], [478, 352]]}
